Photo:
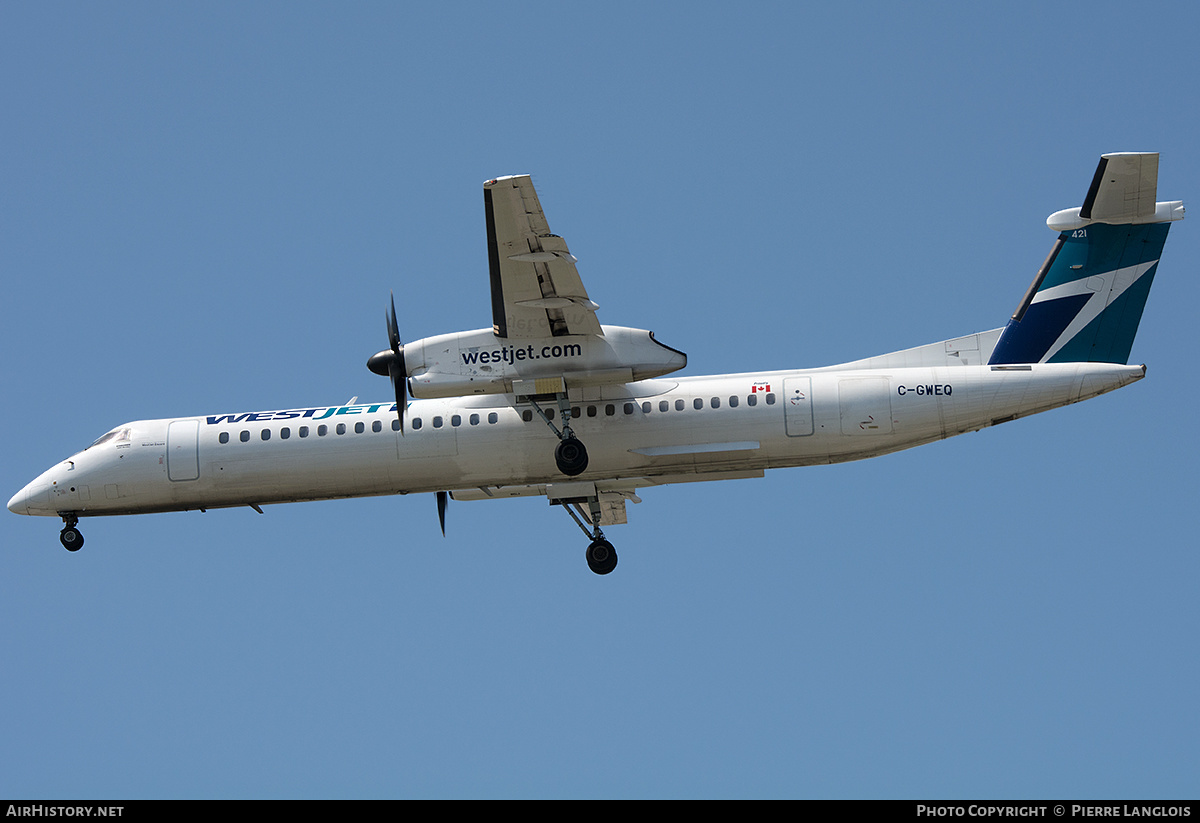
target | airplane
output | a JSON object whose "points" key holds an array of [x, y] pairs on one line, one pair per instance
{"points": [[487, 405]]}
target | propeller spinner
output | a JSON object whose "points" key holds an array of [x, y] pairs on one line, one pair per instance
{"points": [[390, 363]]}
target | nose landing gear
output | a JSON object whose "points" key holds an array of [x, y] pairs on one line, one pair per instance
{"points": [[70, 537]]}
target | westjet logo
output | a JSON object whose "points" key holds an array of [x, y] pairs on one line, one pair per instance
{"points": [[510, 354], [293, 414]]}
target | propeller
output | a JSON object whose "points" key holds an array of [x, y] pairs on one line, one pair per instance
{"points": [[390, 363], [443, 499]]}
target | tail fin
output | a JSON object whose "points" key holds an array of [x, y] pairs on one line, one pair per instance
{"points": [[1087, 299]]}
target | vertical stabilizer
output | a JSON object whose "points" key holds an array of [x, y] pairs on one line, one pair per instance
{"points": [[1087, 299]]}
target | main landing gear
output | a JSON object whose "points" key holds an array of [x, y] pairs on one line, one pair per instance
{"points": [[569, 455], [601, 556], [70, 536]]}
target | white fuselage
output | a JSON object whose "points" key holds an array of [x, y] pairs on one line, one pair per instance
{"points": [[637, 434]]}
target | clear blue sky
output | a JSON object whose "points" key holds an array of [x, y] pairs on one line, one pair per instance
{"points": [[203, 208]]}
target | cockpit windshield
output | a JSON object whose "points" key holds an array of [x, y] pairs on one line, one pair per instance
{"points": [[115, 436]]}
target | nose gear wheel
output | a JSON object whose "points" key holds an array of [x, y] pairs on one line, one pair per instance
{"points": [[70, 537]]}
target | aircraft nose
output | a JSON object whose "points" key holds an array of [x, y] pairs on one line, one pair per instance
{"points": [[17, 504], [33, 499]]}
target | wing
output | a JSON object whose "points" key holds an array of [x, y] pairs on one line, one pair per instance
{"points": [[610, 495], [536, 291]]}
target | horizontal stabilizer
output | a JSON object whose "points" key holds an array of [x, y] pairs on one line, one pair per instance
{"points": [[1123, 191], [1124, 188]]}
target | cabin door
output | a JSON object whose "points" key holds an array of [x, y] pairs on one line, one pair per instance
{"points": [[183, 456], [797, 406]]}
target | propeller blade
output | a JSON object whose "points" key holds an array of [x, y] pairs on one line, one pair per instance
{"points": [[443, 499], [396, 368], [394, 328], [400, 385]]}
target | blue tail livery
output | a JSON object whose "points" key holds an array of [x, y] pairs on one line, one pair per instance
{"points": [[1086, 301]]}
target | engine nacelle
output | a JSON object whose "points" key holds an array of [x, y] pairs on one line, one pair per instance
{"points": [[479, 362]]}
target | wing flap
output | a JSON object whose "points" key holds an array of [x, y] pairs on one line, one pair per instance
{"points": [[624, 486], [536, 289]]}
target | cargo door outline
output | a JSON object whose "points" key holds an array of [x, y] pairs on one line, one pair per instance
{"points": [[865, 405], [183, 455]]}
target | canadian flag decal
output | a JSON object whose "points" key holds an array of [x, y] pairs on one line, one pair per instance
{"points": [[759, 388]]}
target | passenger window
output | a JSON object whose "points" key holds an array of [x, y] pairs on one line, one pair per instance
{"points": [[549, 414], [437, 422], [396, 424], [266, 434], [733, 401], [752, 400], [304, 431], [377, 426], [526, 415], [493, 417], [646, 407], [629, 407], [224, 437], [610, 410], [474, 419], [245, 437], [591, 411], [698, 404], [771, 399], [416, 424], [285, 433], [575, 412], [322, 430], [360, 427], [663, 405], [456, 420], [341, 428], [679, 404], [715, 402]]}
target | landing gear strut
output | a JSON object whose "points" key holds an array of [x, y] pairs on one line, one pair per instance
{"points": [[601, 556], [70, 536], [569, 455]]}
